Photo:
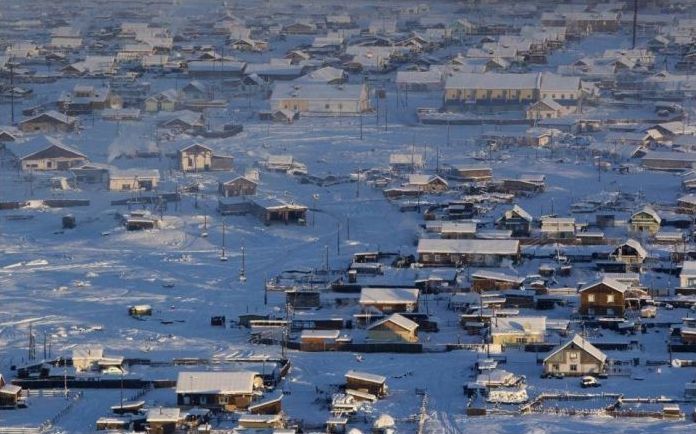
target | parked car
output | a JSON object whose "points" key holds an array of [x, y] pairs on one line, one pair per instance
{"points": [[589, 381]]}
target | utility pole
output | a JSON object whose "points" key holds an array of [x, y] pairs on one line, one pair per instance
{"points": [[361, 126], [242, 272], [357, 190], [635, 22], [11, 65]]}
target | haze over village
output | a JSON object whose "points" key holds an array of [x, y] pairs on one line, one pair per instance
{"points": [[373, 217]]}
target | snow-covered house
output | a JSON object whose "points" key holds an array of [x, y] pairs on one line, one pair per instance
{"points": [[394, 328], [320, 98], [389, 300], [45, 154], [576, 357], [518, 330], [646, 220], [133, 179], [438, 253], [603, 298], [48, 122], [199, 158], [225, 391]]}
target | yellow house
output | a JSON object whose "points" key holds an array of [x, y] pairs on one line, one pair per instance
{"points": [[645, 220], [395, 328], [195, 157], [518, 330], [492, 88], [321, 98], [133, 179]]}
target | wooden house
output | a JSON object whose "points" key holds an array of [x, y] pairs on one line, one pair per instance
{"points": [[687, 203], [48, 122], [166, 100], [10, 395], [403, 163], [268, 406], [389, 300], [273, 210], [518, 330], [438, 253], [375, 385], [630, 253], [558, 227], [516, 220], [546, 108], [261, 421], [319, 340], [485, 280], [455, 230], [394, 328], [46, 154], [471, 173], [133, 179], [603, 298], [239, 186], [279, 163], [427, 183], [217, 390], [163, 420], [491, 88], [669, 161], [201, 158], [321, 98], [687, 276], [577, 357], [646, 220]]}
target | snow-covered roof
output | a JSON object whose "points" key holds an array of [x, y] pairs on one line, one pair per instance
{"points": [[240, 382], [612, 283], [317, 91], [320, 334], [640, 250], [490, 247], [388, 295], [367, 377], [133, 173], [399, 320], [163, 414], [492, 80], [52, 114], [496, 275], [519, 324], [516, 209], [649, 211], [559, 83]]}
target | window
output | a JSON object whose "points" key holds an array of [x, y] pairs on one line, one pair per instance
{"points": [[590, 298], [573, 355], [49, 164], [556, 367], [190, 162], [610, 298], [573, 368]]}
